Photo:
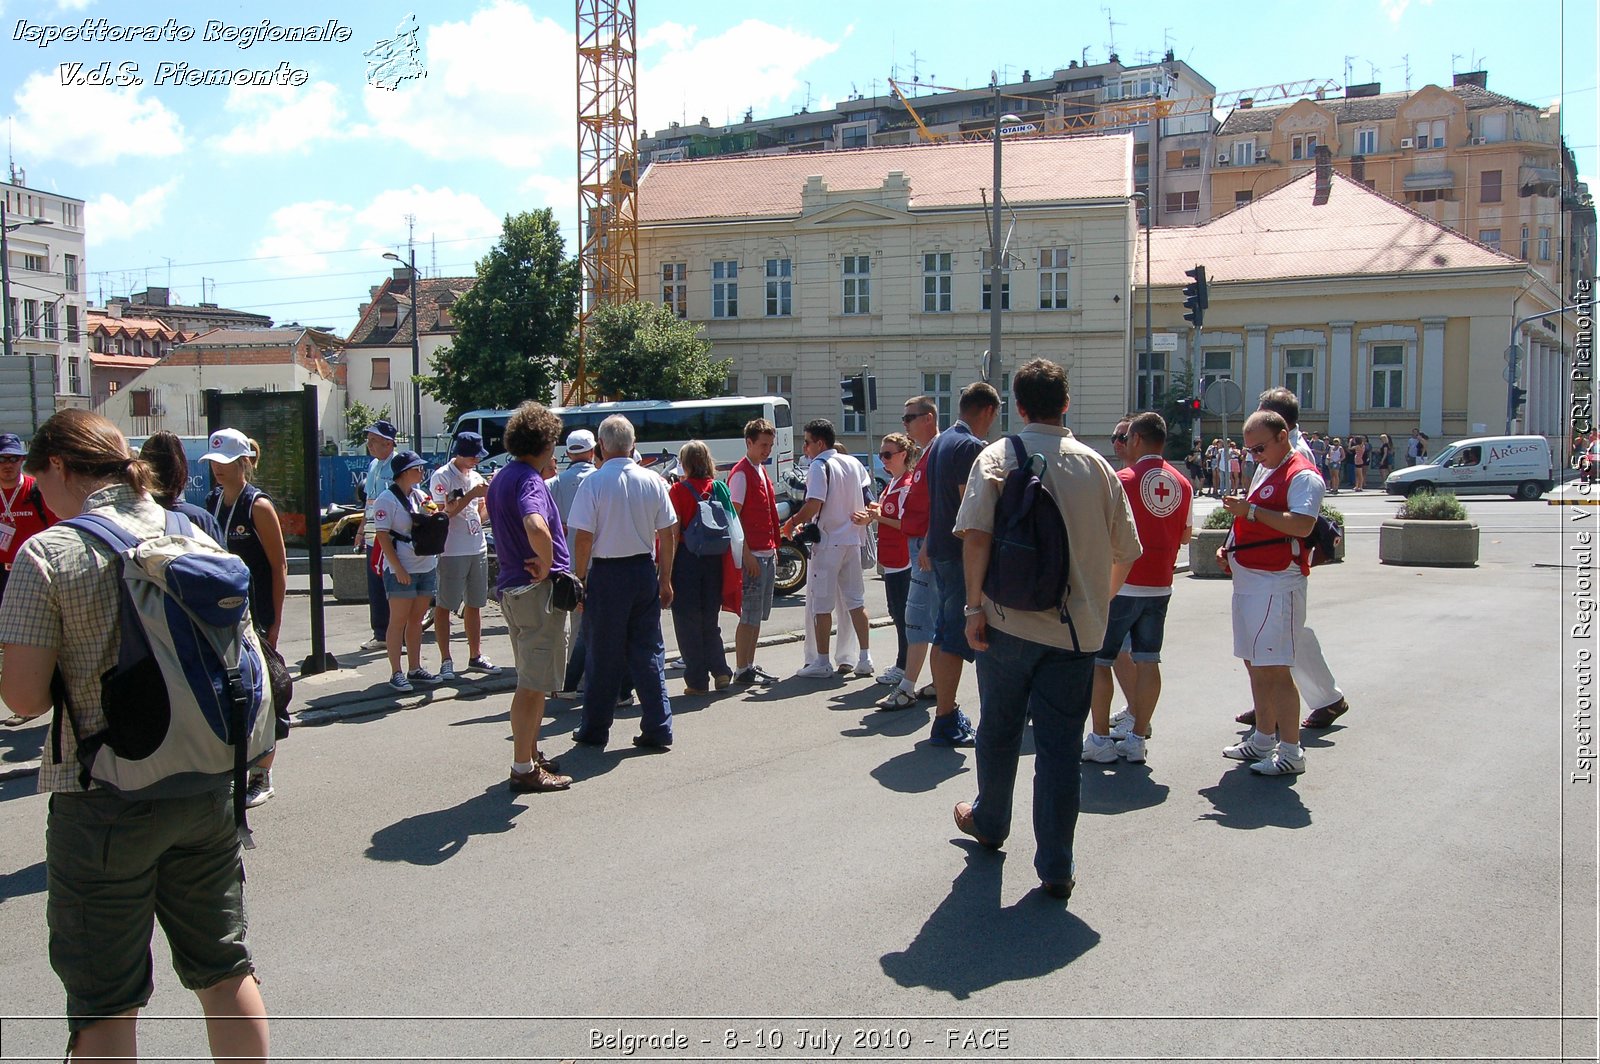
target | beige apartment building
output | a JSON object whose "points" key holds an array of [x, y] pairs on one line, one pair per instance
{"points": [[1488, 166], [807, 268], [1379, 318]]}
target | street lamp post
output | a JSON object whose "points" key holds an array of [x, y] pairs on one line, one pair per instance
{"points": [[1143, 199], [992, 370], [416, 351], [5, 271]]}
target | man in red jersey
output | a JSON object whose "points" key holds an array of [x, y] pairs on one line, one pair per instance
{"points": [[22, 513], [1160, 498]]}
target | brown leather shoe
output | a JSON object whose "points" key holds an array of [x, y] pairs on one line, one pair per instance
{"points": [[548, 764], [538, 781], [1061, 891], [1247, 717], [1324, 717], [963, 813]]}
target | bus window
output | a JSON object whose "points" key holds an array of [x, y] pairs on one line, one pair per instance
{"points": [[669, 426], [728, 422], [781, 417]]}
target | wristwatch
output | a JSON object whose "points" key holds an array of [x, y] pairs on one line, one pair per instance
{"points": [[972, 611], [1250, 515]]}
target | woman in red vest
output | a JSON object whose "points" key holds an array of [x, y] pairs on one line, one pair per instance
{"points": [[22, 512]]}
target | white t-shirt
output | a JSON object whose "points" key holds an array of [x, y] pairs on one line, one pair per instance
{"points": [[1306, 489], [390, 516], [624, 505], [836, 479], [736, 491], [466, 528]]}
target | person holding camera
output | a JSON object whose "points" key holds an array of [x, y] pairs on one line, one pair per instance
{"points": [[459, 491], [409, 579]]}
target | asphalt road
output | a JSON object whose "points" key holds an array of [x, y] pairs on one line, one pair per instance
{"points": [[1425, 890]]}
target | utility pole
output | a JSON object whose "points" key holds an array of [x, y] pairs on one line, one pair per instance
{"points": [[993, 372]]}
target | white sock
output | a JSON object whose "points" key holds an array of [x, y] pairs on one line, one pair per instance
{"points": [[1290, 750], [908, 685], [522, 766], [1099, 740], [1262, 741]]}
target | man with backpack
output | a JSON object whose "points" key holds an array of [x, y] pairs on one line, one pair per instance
{"points": [[1037, 662], [22, 513]]}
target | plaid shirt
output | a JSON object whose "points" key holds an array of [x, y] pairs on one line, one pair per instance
{"points": [[63, 594]]}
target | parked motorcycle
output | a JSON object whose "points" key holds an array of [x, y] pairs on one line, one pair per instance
{"points": [[792, 557], [341, 524]]}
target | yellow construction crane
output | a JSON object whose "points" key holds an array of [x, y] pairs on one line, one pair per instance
{"points": [[608, 165]]}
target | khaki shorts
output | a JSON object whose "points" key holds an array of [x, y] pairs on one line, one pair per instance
{"points": [[538, 636], [463, 578], [114, 867]]}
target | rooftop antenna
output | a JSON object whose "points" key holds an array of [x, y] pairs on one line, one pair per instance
{"points": [[1111, 30], [433, 254], [1406, 62], [1455, 62], [212, 281], [169, 270], [808, 97], [1084, 61], [1167, 39], [916, 68], [1349, 60], [1372, 70]]}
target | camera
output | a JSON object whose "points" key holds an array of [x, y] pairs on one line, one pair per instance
{"points": [[808, 533]]}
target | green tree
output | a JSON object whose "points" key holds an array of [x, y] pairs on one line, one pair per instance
{"points": [[641, 350], [514, 327], [1173, 407], [357, 416]]}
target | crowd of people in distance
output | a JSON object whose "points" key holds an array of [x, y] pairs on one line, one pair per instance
{"points": [[1225, 467]]}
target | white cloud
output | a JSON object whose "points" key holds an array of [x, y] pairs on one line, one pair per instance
{"points": [[108, 219], [499, 86], [280, 119], [759, 61], [560, 194], [87, 124], [674, 35], [1395, 10], [302, 236]]}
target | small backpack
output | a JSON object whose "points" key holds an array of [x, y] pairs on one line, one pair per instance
{"points": [[1030, 557], [188, 703], [707, 533], [1319, 546], [428, 530]]}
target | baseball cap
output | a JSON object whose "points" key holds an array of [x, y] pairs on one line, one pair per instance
{"points": [[580, 441], [404, 460], [469, 445], [11, 445], [228, 445], [385, 429]]}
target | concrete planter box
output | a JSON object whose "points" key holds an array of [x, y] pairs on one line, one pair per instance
{"points": [[349, 573], [1203, 553], [1433, 543]]}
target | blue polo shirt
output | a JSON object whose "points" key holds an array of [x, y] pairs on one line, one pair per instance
{"points": [[950, 458]]}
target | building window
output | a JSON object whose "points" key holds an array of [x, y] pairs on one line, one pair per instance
{"points": [[1489, 186], [30, 318], [725, 289], [1388, 376], [139, 403], [74, 377], [1244, 152], [855, 135], [1005, 402], [675, 287], [50, 321], [33, 263], [936, 282], [780, 384], [1005, 289], [1523, 254], [1490, 237], [936, 386], [112, 386], [72, 324], [1178, 202], [1053, 278], [730, 385], [380, 375], [1431, 195], [1243, 196], [1431, 134], [1303, 146], [1183, 159], [850, 420], [1492, 127], [780, 288], [858, 284], [1544, 243], [1299, 375], [1150, 388], [1215, 365], [71, 269], [1366, 141]]}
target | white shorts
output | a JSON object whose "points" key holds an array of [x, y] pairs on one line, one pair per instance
{"points": [[836, 574], [1267, 627]]}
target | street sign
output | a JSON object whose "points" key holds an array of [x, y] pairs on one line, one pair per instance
{"points": [[1163, 341], [1223, 397], [1510, 374]]}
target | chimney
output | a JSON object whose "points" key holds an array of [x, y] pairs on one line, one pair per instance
{"points": [[1246, 102], [1358, 168], [1480, 78], [1356, 92], [1324, 175], [1026, 77]]}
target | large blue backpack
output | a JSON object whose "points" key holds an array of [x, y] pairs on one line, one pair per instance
{"points": [[707, 534], [1031, 555], [188, 704]]}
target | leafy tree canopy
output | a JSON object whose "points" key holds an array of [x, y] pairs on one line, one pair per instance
{"points": [[642, 350], [357, 416], [514, 327]]}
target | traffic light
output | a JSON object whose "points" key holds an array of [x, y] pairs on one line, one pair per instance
{"points": [[1518, 397], [853, 394], [1192, 405], [1195, 297]]}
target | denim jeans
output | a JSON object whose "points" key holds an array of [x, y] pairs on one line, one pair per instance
{"points": [[1018, 680], [897, 586], [696, 606]]}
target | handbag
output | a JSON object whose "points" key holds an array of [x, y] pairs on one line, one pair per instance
{"points": [[278, 677], [566, 591]]}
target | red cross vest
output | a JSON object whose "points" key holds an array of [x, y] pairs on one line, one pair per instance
{"points": [[759, 518], [1271, 494]]}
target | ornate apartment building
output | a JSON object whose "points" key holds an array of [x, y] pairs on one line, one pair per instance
{"points": [[46, 284]]}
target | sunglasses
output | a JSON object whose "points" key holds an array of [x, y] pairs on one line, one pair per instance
{"points": [[886, 455], [10, 457], [907, 419], [1120, 437], [1258, 450]]}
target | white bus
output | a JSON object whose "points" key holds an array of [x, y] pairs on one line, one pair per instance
{"points": [[663, 426]]}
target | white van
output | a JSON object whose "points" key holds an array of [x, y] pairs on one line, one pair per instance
{"points": [[1518, 466]]}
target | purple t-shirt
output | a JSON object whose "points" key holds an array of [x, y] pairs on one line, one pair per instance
{"points": [[515, 492]]}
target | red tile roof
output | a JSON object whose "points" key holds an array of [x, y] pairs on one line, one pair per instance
{"points": [[123, 361], [1038, 170], [1285, 235]]}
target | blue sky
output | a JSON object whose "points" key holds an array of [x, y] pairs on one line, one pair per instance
{"points": [[282, 199]]}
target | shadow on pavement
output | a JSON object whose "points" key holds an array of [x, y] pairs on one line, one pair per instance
{"points": [[23, 881], [433, 838], [922, 769], [971, 943], [1119, 788], [899, 722], [1243, 799], [19, 787], [24, 742]]}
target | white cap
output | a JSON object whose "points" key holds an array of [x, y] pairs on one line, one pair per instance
{"points": [[580, 441], [228, 445]]}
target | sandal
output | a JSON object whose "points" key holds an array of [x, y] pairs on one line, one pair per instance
{"points": [[926, 692], [14, 721], [899, 700]]}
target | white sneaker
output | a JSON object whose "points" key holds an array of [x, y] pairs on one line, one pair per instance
{"points": [[815, 670], [1247, 750], [674, 664], [447, 671], [892, 676], [373, 644], [1121, 722], [259, 790], [1103, 751], [399, 682], [864, 665], [1131, 747], [1278, 764]]}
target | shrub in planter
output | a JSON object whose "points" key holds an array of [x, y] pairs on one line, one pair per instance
{"points": [[1429, 528]]}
